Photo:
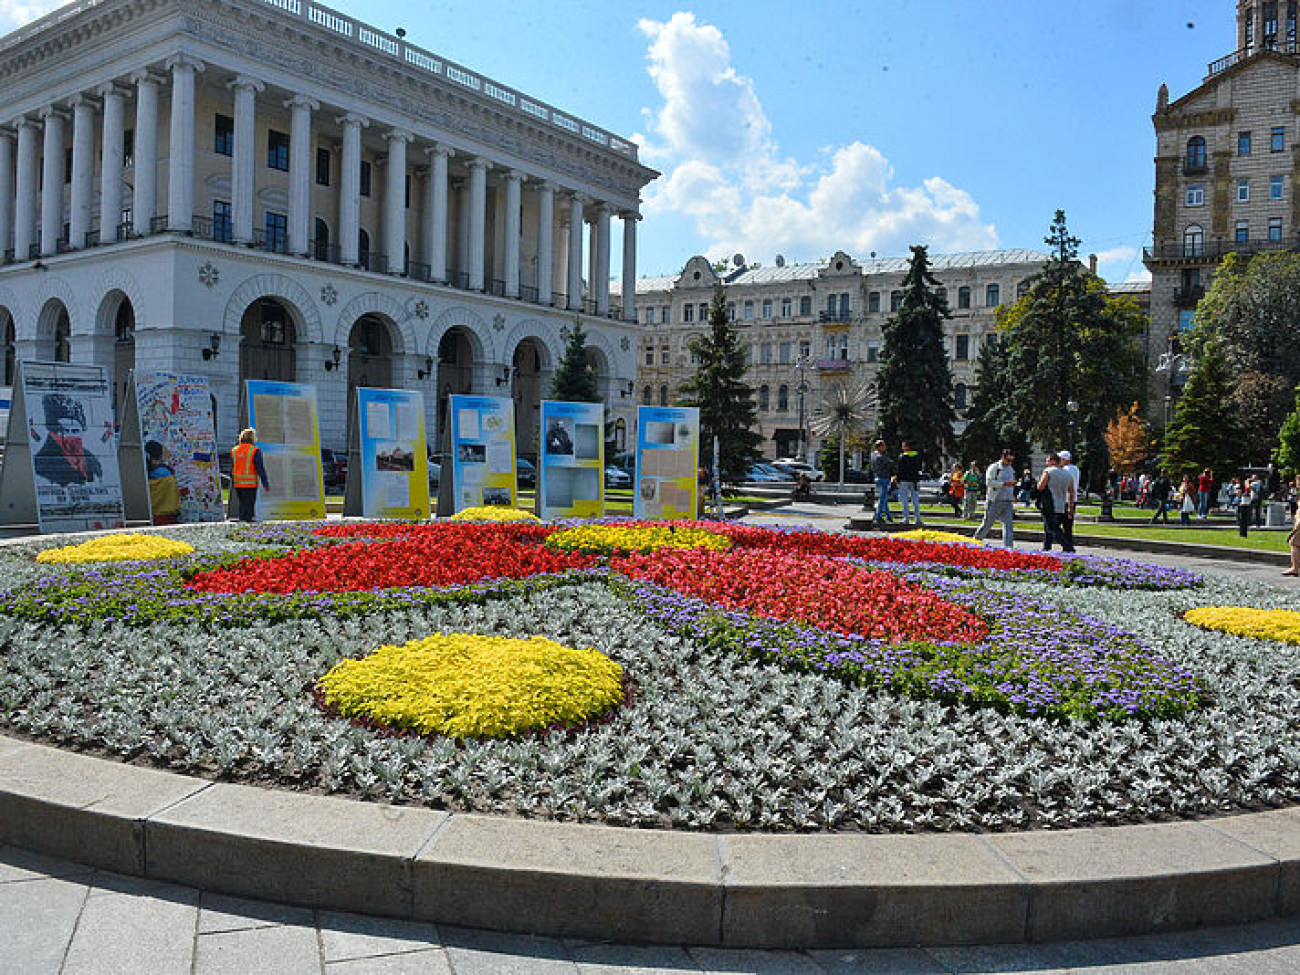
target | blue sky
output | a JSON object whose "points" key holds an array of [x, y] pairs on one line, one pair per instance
{"points": [[862, 126]]}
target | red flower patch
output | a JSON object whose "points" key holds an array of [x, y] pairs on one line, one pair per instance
{"points": [[451, 555], [810, 589]]}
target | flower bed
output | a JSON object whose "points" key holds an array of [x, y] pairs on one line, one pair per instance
{"points": [[116, 548], [494, 513], [1282, 625], [611, 539]]}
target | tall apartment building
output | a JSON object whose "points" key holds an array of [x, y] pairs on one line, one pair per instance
{"points": [[816, 326], [1227, 174], [269, 189]]}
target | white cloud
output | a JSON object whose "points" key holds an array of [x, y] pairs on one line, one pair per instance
{"points": [[16, 13], [1122, 263], [724, 170]]}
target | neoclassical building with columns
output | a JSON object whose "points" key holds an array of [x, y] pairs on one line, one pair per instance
{"points": [[269, 189]]}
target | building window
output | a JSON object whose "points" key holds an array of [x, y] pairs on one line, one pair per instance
{"points": [[895, 300], [844, 346], [1275, 187], [365, 178], [277, 232], [650, 315], [650, 356], [663, 395], [322, 166], [873, 351], [321, 245], [992, 296], [785, 307], [666, 314], [688, 313], [805, 349], [1277, 139], [873, 301], [844, 306], [942, 294], [805, 305], [1022, 289], [959, 396], [1242, 232], [731, 311], [1195, 154], [704, 311], [664, 356], [1275, 228], [767, 308], [749, 311], [277, 150], [764, 398], [223, 139], [963, 297], [783, 353], [961, 348], [765, 354], [128, 148], [647, 396], [1243, 143], [221, 229], [1243, 191], [363, 247], [1193, 241], [782, 399], [1196, 195]]}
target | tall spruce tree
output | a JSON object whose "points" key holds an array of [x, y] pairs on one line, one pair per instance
{"points": [[575, 380], [993, 422], [914, 384], [724, 397], [1204, 432]]}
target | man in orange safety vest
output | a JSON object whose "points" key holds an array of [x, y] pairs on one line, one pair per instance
{"points": [[247, 469]]}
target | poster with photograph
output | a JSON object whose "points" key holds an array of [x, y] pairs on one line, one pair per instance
{"points": [[667, 462], [179, 434], [482, 451], [70, 432], [284, 416], [393, 453], [571, 475]]}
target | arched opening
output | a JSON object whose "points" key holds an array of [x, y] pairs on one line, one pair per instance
{"points": [[62, 336], [526, 388], [370, 354], [267, 339], [455, 370], [123, 351]]}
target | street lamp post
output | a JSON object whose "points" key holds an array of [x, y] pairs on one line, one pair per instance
{"points": [[801, 365]]}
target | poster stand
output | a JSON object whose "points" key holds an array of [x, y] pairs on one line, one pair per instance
{"points": [[353, 504]]}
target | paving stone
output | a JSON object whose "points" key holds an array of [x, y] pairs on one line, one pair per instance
{"points": [[82, 808], [1136, 879], [346, 936], [755, 962], [286, 846], [877, 961], [130, 924], [1276, 834], [18, 865], [430, 962], [475, 952], [868, 891], [607, 959], [37, 918], [571, 881], [221, 912], [274, 951]]}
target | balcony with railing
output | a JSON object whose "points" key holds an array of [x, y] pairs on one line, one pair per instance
{"points": [[1215, 250], [833, 365], [1236, 57]]}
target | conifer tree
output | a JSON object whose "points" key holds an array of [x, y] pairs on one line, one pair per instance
{"points": [[724, 397], [992, 421], [575, 380], [1287, 455], [914, 384], [1204, 432]]}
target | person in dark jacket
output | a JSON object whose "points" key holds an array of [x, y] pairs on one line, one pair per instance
{"points": [[1161, 488], [882, 472], [909, 483]]}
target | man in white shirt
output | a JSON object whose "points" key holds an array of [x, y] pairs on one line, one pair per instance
{"points": [[1067, 465], [1000, 478]]}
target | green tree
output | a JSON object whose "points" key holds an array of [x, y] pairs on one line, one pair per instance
{"points": [[993, 419], [1067, 339], [1261, 402], [1287, 455], [724, 397], [1204, 432], [575, 380], [914, 384], [1253, 308]]}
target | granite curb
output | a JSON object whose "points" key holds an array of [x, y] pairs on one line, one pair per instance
{"points": [[655, 886]]}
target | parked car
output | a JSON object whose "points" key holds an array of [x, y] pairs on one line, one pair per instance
{"points": [[761, 474], [796, 467], [780, 475], [435, 474], [334, 466], [616, 477], [525, 472], [854, 476]]}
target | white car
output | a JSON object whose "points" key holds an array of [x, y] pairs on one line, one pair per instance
{"points": [[797, 467], [617, 478]]}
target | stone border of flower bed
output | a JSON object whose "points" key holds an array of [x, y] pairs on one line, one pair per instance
{"points": [[567, 880]]}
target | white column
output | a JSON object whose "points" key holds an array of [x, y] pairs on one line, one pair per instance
{"points": [[145, 201], [52, 180], [477, 221], [435, 213], [462, 230], [6, 190], [25, 191], [83, 169], [600, 279], [243, 156], [350, 187], [110, 161], [574, 290], [395, 200], [630, 217], [514, 180], [180, 180], [300, 163], [545, 238]]}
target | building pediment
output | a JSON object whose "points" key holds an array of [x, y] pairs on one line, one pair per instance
{"points": [[698, 273], [840, 265]]}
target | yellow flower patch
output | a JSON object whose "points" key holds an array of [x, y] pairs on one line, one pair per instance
{"points": [[116, 548], [1262, 624], [493, 513], [607, 539], [926, 535], [466, 685]]}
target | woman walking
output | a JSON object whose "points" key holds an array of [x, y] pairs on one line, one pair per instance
{"points": [[1187, 501], [247, 469]]}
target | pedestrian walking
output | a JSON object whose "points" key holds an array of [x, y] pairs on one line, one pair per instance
{"points": [[1187, 501], [882, 472], [1067, 465], [1000, 479], [247, 469], [1256, 488], [1244, 512], [1056, 500], [908, 474], [1293, 539], [1160, 490], [956, 485], [1025, 492], [1204, 492], [973, 479]]}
